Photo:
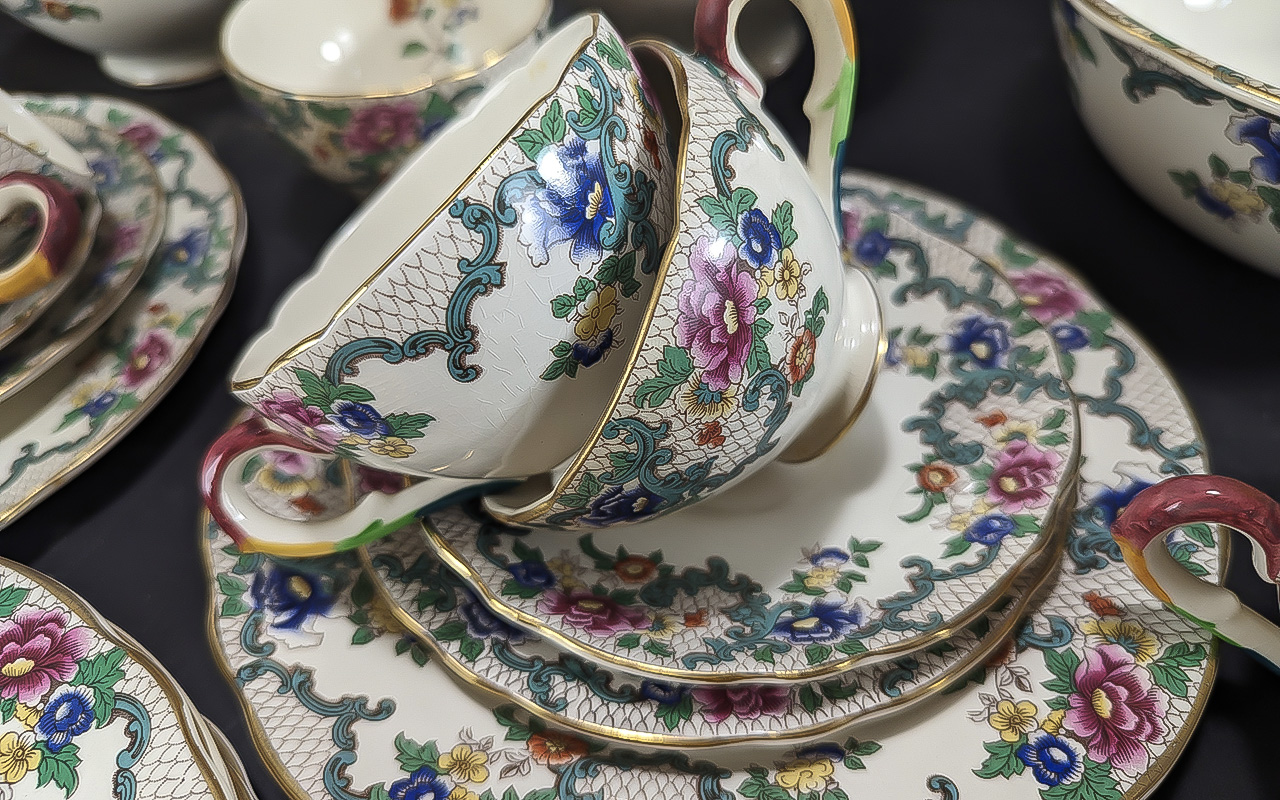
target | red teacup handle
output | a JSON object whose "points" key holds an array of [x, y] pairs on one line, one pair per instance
{"points": [[42, 262], [1140, 530], [829, 104]]}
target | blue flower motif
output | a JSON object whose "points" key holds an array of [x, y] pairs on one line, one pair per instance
{"points": [[824, 621], [291, 596], [1112, 501], [664, 694], [622, 505], [359, 418], [100, 404], [760, 238], [982, 340], [588, 354], [1213, 205], [1069, 337], [483, 623], [893, 354], [532, 574], [872, 248], [822, 751], [422, 784], [573, 204], [190, 250], [1264, 136], [989, 530], [829, 557], [68, 714], [106, 171], [1053, 759]]}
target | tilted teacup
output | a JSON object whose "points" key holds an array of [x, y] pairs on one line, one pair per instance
{"points": [[760, 343], [518, 251], [356, 87]]}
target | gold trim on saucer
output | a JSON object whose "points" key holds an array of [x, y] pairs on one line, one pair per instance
{"points": [[164, 384], [1044, 568], [176, 698]]}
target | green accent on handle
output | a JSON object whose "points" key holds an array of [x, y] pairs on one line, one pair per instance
{"points": [[841, 99], [1207, 625], [373, 531]]}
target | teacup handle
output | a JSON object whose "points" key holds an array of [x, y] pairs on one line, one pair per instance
{"points": [[59, 215], [829, 104], [1140, 531], [256, 530]]}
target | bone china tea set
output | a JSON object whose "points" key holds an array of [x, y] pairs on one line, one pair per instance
{"points": [[613, 448]]}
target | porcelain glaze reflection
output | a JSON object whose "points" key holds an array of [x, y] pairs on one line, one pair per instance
{"points": [[397, 710]]}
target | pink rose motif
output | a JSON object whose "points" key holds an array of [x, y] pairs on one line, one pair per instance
{"points": [[1022, 475], [144, 136], [1115, 709], [1047, 297], [287, 410], [593, 613], [292, 463], [744, 702], [124, 240], [717, 311], [36, 649], [376, 129], [153, 351]]}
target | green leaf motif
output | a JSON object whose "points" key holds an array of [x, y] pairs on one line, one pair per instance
{"points": [[231, 586], [814, 320], [1095, 784], [589, 108], [532, 143], [412, 49], [1217, 166], [783, 216], [629, 641], [672, 714], [956, 546], [10, 598], [1200, 533], [1002, 760], [1014, 257], [413, 756], [59, 767], [1063, 665], [622, 271], [611, 51], [471, 648], [817, 653], [553, 125], [408, 426], [517, 731], [450, 631], [563, 305], [673, 370], [726, 211]]}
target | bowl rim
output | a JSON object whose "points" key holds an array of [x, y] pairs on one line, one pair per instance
{"points": [[1234, 82], [490, 60]]}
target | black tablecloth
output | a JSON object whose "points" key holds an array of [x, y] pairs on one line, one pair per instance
{"points": [[966, 97]]}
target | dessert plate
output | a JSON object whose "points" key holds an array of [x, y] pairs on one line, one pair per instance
{"points": [[437, 608], [61, 422], [344, 706], [907, 530], [133, 210], [84, 712]]}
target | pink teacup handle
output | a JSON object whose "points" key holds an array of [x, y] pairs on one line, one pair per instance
{"points": [[42, 262], [829, 104], [1140, 531], [255, 529]]}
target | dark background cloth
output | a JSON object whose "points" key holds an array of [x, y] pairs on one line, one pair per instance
{"points": [[968, 98]]}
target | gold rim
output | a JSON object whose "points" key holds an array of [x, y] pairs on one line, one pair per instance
{"points": [[308, 341], [1103, 12], [53, 352], [165, 384], [1043, 569], [490, 60], [176, 698]]}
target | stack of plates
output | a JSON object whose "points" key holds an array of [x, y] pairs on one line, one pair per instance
{"points": [[86, 711], [935, 605], [82, 360]]}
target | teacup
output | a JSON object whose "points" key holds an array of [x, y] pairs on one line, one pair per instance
{"points": [[141, 43], [1140, 530], [356, 87], [473, 319]]}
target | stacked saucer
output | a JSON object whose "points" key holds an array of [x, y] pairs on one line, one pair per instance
{"points": [[86, 711], [918, 609], [86, 355]]}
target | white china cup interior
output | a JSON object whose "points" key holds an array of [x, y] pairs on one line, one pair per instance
{"points": [[344, 48]]}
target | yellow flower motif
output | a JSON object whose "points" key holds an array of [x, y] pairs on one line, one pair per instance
{"points": [[1053, 721], [805, 776], [597, 312], [18, 756], [821, 577], [353, 440], [764, 282], [27, 715], [566, 568], [700, 403], [392, 447], [462, 793], [170, 321], [787, 275], [1129, 635], [89, 392], [1241, 199], [1017, 430], [466, 765], [662, 625], [279, 483], [915, 356], [1013, 720], [963, 519]]}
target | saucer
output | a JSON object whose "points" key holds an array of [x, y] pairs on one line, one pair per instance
{"points": [[907, 530], [133, 210], [337, 712], [438, 609], [84, 712], [61, 422]]}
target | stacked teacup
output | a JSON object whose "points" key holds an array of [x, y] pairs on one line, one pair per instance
{"points": [[610, 291]]}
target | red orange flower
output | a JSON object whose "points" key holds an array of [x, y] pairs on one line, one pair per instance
{"points": [[555, 749]]}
